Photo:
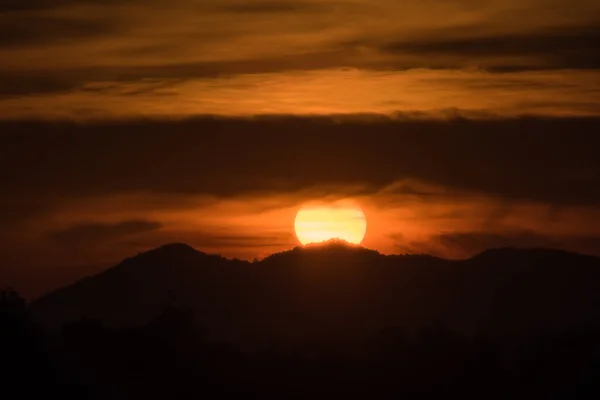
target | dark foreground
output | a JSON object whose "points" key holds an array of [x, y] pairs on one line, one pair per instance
{"points": [[169, 358]]}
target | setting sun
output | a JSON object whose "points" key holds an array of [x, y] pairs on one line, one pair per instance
{"points": [[319, 223]]}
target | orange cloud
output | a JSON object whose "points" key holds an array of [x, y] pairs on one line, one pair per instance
{"points": [[95, 59]]}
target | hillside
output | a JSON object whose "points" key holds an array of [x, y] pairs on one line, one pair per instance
{"points": [[332, 288]]}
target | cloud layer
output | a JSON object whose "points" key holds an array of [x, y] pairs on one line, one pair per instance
{"points": [[107, 59]]}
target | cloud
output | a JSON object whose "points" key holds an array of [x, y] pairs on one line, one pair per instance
{"points": [[309, 92], [474, 242], [21, 30], [99, 232], [272, 7], [24, 5], [210, 240], [468, 244], [23, 84], [110, 59], [549, 160], [558, 48]]}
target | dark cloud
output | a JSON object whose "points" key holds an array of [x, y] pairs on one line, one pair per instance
{"points": [[548, 160], [97, 232], [467, 244], [27, 29], [15, 208], [342, 55], [272, 7], [54, 80], [562, 47], [212, 240], [475, 242], [18, 83], [22, 5]]}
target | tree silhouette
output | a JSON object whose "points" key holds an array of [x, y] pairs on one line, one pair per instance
{"points": [[23, 350]]}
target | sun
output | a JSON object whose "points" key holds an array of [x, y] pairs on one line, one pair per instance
{"points": [[321, 222]]}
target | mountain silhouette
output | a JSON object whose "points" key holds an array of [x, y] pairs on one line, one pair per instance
{"points": [[321, 290]]}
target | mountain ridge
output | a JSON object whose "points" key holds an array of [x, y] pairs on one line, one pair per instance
{"points": [[321, 289], [178, 249]]}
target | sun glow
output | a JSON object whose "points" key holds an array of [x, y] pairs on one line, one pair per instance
{"points": [[319, 223]]}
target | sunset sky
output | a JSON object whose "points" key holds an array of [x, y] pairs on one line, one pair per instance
{"points": [[456, 125]]}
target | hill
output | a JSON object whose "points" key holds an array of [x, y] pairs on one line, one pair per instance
{"points": [[320, 291]]}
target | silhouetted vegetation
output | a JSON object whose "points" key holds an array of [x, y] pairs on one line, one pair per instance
{"points": [[171, 357], [24, 349]]}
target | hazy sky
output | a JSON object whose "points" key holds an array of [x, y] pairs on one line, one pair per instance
{"points": [[457, 125]]}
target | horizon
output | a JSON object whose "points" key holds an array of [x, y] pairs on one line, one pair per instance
{"points": [[311, 247], [340, 243]]}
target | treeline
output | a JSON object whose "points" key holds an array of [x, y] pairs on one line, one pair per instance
{"points": [[171, 358]]}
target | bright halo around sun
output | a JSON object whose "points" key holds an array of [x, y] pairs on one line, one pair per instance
{"points": [[341, 220]]}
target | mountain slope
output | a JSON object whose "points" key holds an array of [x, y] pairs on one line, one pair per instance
{"points": [[338, 288]]}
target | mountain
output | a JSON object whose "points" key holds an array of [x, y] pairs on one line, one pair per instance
{"points": [[322, 290]]}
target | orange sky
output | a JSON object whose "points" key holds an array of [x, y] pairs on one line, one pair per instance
{"points": [[452, 224], [79, 197], [97, 59], [259, 224], [457, 125]]}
